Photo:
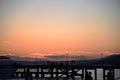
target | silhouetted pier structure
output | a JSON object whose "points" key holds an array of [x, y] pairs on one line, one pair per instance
{"points": [[62, 69]]}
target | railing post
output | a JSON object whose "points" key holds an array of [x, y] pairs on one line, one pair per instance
{"points": [[95, 74], [83, 73], [103, 74]]}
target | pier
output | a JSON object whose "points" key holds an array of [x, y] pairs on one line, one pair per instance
{"points": [[61, 69]]}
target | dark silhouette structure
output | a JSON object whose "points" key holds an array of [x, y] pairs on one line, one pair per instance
{"points": [[28, 75], [110, 75], [90, 76], [59, 69], [86, 75]]}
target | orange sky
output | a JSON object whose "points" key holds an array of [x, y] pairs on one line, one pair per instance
{"points": [[57, 27]]}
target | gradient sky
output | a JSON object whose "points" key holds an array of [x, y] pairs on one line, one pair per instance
{"points": [[52, 27]]}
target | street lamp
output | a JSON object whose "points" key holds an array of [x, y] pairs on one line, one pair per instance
{"points": [[67, 58], [102, 57], [36, 54], [9, 55]]}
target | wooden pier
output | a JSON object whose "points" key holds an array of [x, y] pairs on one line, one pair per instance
{"points": [[71, 69]]}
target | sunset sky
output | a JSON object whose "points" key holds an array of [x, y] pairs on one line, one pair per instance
{"points": [[52, 27]]}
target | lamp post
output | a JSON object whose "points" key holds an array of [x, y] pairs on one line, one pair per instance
{"points": [[102, 57], [36, 54], [67, 58], [9, 55]]}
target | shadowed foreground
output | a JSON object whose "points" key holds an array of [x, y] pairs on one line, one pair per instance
{"points": [[60, 70]]}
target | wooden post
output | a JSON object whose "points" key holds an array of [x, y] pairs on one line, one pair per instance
{"points": [[42, 73], [73, 74], [24, 71], [57, 73], [113, 74], [67, 74], [22, 75], [17, 75], [95, 74], [37, 73], [104, 74], [83, 73], [51, 70]]}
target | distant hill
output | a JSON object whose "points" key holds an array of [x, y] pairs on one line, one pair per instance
{"points": [[4, 57], [117, 56], [17, 58], [112, 59], [108, 59]]}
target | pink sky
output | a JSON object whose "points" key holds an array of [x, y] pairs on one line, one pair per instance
{"points": [[57, 27]]}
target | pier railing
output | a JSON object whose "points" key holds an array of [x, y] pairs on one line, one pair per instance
{"points": [[60, 68]]}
